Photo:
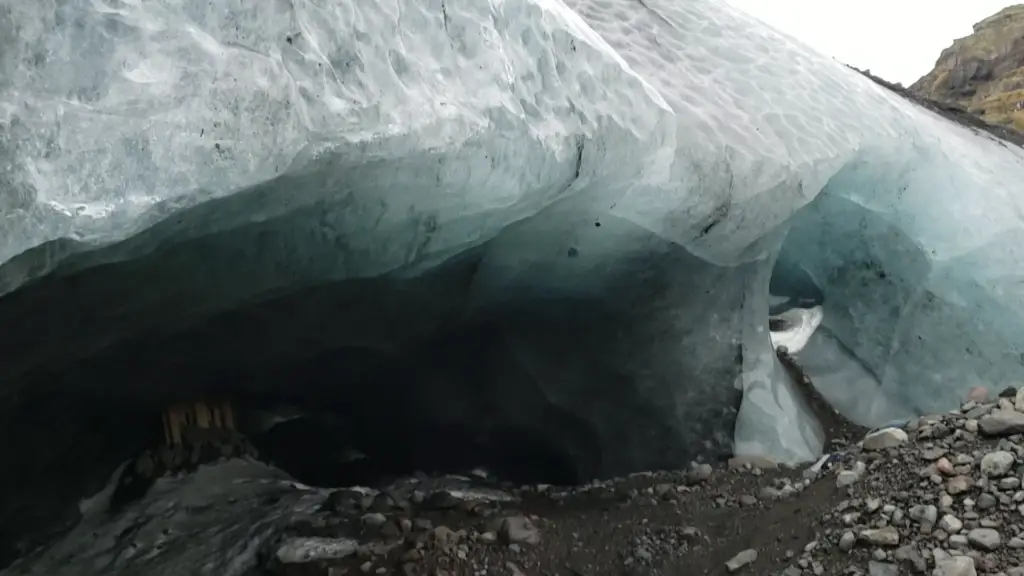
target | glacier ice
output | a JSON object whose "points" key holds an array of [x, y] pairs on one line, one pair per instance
{"points": [[797, 326], [611, 184]]}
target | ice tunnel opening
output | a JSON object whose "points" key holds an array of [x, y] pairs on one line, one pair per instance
{"points": [[848, 267]]}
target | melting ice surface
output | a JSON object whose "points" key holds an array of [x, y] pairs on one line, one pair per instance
{"points": [[652, 158]]}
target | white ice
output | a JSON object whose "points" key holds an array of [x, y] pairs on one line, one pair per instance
{"points": [[385, 135], [800, 324]]}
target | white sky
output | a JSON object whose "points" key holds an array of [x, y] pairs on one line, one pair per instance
{"points": [[899, 40]]}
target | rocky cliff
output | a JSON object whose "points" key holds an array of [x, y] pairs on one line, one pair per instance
{"points": [[984, 72]]}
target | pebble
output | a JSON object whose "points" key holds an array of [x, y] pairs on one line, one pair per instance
{"points": [[984, 538], [955, 566], [950, 524], [997, 464], [886, 438], [887, 536], [740, 560], [519, 530], [1002, 422], [305, 550]]}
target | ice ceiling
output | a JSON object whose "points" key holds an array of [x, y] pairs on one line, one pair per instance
{"points": [[512, 219]]}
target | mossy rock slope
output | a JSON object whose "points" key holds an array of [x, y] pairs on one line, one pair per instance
{"points": [[983, 72]]}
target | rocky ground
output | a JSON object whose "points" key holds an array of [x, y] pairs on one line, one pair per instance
{"points": [[941, 495]]}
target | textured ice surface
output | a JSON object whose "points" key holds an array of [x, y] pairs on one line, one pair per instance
{"points": [[341, 139]]}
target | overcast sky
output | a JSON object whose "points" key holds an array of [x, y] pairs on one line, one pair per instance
{"points": [[899, 40]]}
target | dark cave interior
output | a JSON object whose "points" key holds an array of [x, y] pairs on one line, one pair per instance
{"points": [[437, 408], [574, 367]]}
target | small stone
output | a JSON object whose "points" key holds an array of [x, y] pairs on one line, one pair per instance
{"points": [[445, 537], [909, 556], [950, 524], [955, 566], [519, 529], [846, 478], [441, 500], [959, 485], [699, 473], [742, 559], [303, 550], [925, 514], [944, 466], [887, 536], [847, 541], [1001, 423], [997, 464], [374, 519], [986, 501], [984, 538], [876, 568], [886, 438]]}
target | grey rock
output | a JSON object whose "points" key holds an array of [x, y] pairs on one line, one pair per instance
{"points": [[847, 541], [303, 550], [440, 500], [846, 478], [955, 566], [959, 484], [909, 556], [986, 501], [883, 569], [740, 560], [699, 473], [950, 524], [374, 519], [883, 439], [997, 464], [519, 529], [924, 513], [1002, 423], [985, 538], [887, 536]]}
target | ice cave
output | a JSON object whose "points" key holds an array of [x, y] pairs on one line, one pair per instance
{"points": [[542, 235]]}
